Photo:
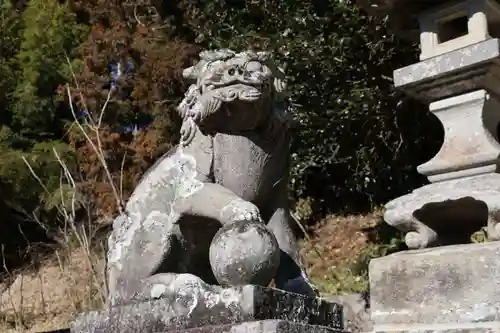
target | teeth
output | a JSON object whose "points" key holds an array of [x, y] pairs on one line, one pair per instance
{"points": [[251, 94]]}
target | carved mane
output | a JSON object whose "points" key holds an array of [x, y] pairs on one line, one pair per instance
{"points": [[210, 60]]}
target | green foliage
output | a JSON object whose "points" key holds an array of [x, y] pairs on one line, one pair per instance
{"points": [[17, 177], [37, 43], [35, 40], [50, 33], [10, 30], [352, 147]]}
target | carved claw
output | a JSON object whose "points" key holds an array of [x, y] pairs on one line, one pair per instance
{"points": [[188, 131], [247, 213], [415, 240], [240, 210], [184, 287], [418, 235], [420, 238]]}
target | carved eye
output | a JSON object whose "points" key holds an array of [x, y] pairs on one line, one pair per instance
{"points": [[214, 64], [253, 66]]}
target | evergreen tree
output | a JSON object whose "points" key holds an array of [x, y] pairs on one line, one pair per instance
{"points": [[51, 33], [10, 30], [35, 38], [37, 119]]}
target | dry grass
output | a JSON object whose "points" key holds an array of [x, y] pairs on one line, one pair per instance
{"points": [[69, 282], [73, 280], [335, 248]]}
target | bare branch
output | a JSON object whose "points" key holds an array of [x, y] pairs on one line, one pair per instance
{"points": [[98, 152], [121, 174], [137, 18]]}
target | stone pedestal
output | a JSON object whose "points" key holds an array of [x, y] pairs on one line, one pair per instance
{"points": [[458, 76], [462, 88], [451, 288], [474, 67], [249, 309]]}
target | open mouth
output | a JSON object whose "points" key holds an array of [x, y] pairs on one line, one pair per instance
{"points": [[218, 90], [234, 92], [216, 99], [230, 92]]}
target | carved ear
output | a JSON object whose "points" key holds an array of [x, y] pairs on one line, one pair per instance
{"points": [[189, 73], [279, 78], [205, 55], [279, 85], [280, 72], [263, 56], [219, 54]]}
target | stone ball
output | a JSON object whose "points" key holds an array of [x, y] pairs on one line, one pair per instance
{"points": [[244, 252]]}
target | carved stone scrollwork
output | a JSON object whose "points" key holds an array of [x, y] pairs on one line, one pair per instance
{"points": [[448, 212]]}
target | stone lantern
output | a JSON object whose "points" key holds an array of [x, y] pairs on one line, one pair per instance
{"points": [[459, 77], [453, 287]]}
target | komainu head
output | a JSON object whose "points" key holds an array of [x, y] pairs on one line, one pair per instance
{"points": [[233, 92]]}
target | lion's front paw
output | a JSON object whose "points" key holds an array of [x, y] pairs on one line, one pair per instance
{"points": [[188, 131], [240, 210]]}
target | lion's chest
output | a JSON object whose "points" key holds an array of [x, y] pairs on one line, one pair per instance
{"points": [[248, 166]]}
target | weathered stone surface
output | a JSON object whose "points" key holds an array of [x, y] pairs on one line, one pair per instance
{"points": [[356, 311], [432, 288], [263, 326], [445, 328], [469, 147], [232, 165], [456, 25], [244, 253], [471, 68], [227, 307], [464, 196], [447, 212]]}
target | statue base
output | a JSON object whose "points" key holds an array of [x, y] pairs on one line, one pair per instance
{"points": [[239, 309], [260, 326], [445, 289]]}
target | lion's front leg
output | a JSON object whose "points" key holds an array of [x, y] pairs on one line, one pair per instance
{"points": [[216, 202], [291, 275]]}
